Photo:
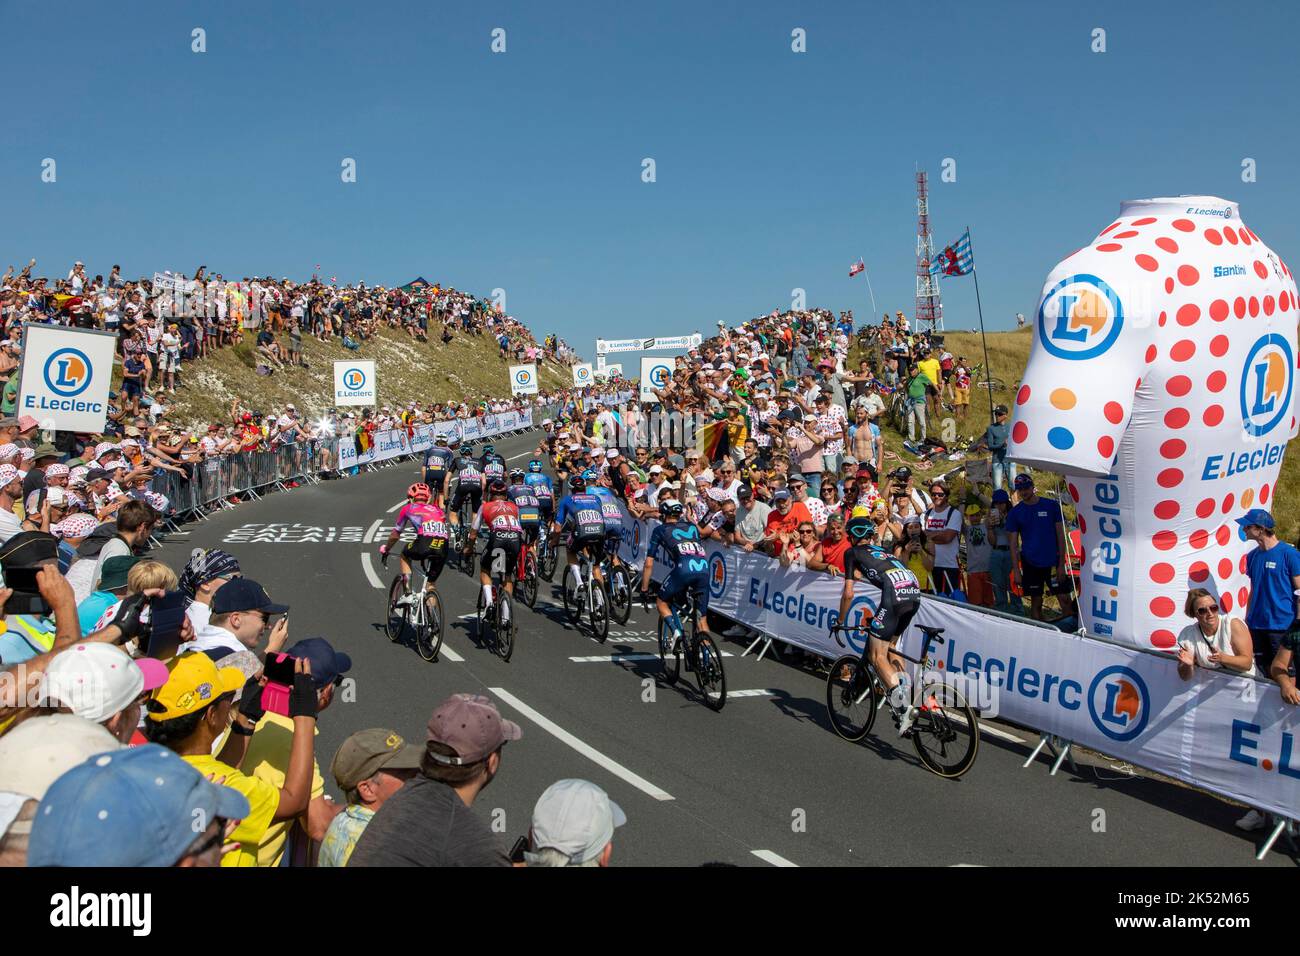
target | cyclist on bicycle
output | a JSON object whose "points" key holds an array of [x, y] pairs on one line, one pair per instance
{"points": [[492, 465], [499, 519], [541, 488], [580, 519], [679, 547], [437, 461], [598, 485], [469, 482], [530, 513], [429, 522], [900, 597]]}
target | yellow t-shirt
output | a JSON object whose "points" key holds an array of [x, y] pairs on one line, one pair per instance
{"points": [[267, 759], [917, 567], [263, 799], [932, 371]]}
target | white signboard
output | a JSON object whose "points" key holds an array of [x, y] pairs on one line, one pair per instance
{"points": [[604, 346], [655, 373], [678, 342], [66, 374], [354, 383], [582, 374], [614, 368], [523, 379]]}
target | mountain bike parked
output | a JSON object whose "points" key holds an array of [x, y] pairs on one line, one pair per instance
{"points": [[701, 653], [425, 618], [587, 592], [945, 731]]}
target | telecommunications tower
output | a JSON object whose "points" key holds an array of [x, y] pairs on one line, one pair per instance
{"points": [[929, 307]]}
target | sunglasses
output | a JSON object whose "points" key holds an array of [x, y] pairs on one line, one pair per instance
{"points": [[1208, 609]]}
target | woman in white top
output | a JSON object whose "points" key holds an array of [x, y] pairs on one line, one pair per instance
{"points": [[1215, 641]]}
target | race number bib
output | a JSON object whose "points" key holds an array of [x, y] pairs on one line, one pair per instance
{"points": [[433, 529]]}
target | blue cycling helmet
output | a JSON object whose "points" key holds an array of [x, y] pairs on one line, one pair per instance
{"points": [[577, 483], [670, 508], [590, 475], [535, 467], [489, 449]]}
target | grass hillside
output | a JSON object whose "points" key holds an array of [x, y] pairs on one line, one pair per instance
{"points": [[1008, 356], [469, 367]]}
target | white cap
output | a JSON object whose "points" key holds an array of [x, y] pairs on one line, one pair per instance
{"points": [[577, 818], [598, 453], [40, 750], [655, 469], [96, 680]]}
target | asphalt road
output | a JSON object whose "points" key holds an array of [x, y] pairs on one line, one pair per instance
{"points": [[764, 782]]}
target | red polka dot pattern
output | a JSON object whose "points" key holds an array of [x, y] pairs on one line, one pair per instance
{"points": [[1162, 606], [1167, 510], [1020, 432], [1177, 418], [1162, 573], [1163, 639]]}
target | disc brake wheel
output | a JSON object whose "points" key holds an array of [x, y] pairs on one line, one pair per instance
{"points": [[670, 653], [529, 582], [428, 635], [852, 696], [709, 673], [599, 611], [395, 617], [505, 633], [620, 595], [946, 730], [547, 564], [572, 598]]}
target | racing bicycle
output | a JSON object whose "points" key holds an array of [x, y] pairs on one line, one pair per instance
{"points": [[619, 585], [588, 592], [500, 617], [547, 550], [425, 618], [701, 653], [945, 732], [527, 575]]}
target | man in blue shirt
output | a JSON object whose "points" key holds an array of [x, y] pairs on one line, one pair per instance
{"points": [[1274, 572], [1036, 533]]}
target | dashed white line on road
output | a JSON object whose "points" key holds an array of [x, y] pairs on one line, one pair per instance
{"points": [[767, 856], [370, 535], [615, 658], [591, 753], [750, 693], [370, 571], [523, 455], [451, 655], [396, 506]]}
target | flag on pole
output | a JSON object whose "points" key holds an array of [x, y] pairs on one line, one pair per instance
{"points": [[954, 260], [857, 267]]}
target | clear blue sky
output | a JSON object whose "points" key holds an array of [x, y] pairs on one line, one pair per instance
{"points": [[522, 170]]}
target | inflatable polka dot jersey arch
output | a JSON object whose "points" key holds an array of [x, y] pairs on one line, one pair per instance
{"points": [[1162, 383]]}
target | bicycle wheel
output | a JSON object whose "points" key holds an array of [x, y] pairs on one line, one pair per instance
{"points": [[852, 696], [599, 611], [395, 618], [548, 558], [708, 672], [620, 595], [670, 653], [529, 581], [428, 633], [572, 598], [946, 732], [505, 633], [481, 619]]}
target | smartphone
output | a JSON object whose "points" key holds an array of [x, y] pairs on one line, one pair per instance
{"points": [[518, 850], [26, 598], [166, 615], [279, 669]]}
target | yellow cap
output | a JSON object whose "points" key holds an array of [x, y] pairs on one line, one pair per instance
{"points": [[193, 682], [860, 511]]}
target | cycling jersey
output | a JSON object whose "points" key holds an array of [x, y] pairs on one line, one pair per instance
{"points": [[466, 469], [900, 592], [678, 547], [582, 515], [493, 466], [524, 499], [469, 483], [499, 522], [427, 520], [438, 459], [540, 485], [609, 509]]}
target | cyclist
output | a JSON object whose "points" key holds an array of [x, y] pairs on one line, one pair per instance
{"points": [[678, 545], [580, 518], [500, 520], [429, 522], [598, 485], [530, 512], [469, 482], [900, 597], [437, 461], [541, 488], [492, 464]]}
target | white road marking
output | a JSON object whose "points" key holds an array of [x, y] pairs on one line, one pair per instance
{"points": [[591, 753], [767, 856], [992, 731], [750, 693], [523, 455], [616, 658], [370, 535], [451, 655], [395, 507], [370, 571]]}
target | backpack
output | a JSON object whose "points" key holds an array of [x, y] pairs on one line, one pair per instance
{"points": [[96, 540]]}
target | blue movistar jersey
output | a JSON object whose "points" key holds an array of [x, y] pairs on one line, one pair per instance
{"points": [[608, 507], [581, 512], [678, 544], [541, 486]]}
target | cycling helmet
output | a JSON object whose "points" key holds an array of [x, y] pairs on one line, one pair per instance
{"points": [[670, 509], [535, 467], [516, 474], [468, 448], [498, 487], [577, 483], [860, 528], [590, 475], [419, 492], [489, 449], [440, 439]]}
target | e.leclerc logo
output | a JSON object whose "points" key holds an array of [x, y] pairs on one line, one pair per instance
{"points": [[1266, 381], [860, 608], [659, 375], [354, 380], [1119, 703], [67, 372], [523, 376], [1080, 318], [717, 575], [583, 374]]}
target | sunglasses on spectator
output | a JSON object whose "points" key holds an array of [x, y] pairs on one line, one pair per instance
{"points": [[1207, 609]]}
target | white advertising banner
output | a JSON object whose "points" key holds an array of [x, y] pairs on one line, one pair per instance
{"points": [[1230, 735], [605, 346], [583, 374], [678, 342], [65, 379], [655, 373], [614, 368], [354, 383], [523, 379], [1161, 383], [397, 442]]}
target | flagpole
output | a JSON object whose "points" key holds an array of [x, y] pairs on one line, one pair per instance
{"points": [[870, 290], [988, 369]]}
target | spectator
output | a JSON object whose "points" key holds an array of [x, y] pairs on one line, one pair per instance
{"points": [[110, 590], [979, 555], [101, 683], [829, 554], [783, 521], [1036, 533], [1274, 571], [369, 768], [943, 527], [573, 825], [428, 822], [751, 518], [137, 807], [241, 614], [1000, 559], [914, 550], [994, 441], [1215, 641]]}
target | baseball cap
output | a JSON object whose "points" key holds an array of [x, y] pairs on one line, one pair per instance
{"points": [[28, 549], [1000, 410], [744, 491], [471, 725], [577, 818], [366, 752], [97, 680], [115, 571], [244, 594], [1000, 495], [656, 469], [193, 682], [327, 664], [95, 474], [42, 749], [1024, 481], [132, 807], [780, 494], [902, 471], [1256, 516]]}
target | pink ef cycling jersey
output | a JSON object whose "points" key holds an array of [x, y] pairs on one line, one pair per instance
{"points": [[428, 520], [1161, 382]]}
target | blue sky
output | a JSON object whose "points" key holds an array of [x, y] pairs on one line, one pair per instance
{"points": [[522, 170]]}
